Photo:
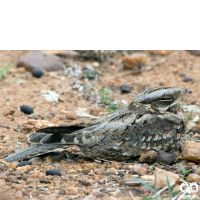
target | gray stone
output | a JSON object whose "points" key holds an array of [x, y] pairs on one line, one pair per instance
{"points": [[165, 157], [39, 60]]}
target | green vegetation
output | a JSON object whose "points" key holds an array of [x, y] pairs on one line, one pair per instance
{"points": [[189, 117], [4, 70], [155, 196], [185, 172], [90, 74], [112, 107], [105, 99], [104, 94]]}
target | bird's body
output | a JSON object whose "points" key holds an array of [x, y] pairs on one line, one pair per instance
{"points": [[152, 120]]}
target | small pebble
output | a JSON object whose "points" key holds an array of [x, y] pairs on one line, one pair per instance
{"points": [[134, 172], [165, 157], [44, 180], [24, 163], [18, 194], [53, 172], [33, 117], [37, 73], [193, 102], [62, 192], [9, 112], [90, 165], [71, 115], [87, 182], [187, 79], [26, 109], [125, 89], [52, 88], [181, 75], [85, 170], [120, 173], [35, 160]]}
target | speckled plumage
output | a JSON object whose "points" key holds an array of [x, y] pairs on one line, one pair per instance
{"points": [[152, 120]]}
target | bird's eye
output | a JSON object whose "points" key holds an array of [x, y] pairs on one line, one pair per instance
{"points": [[165, 98]]}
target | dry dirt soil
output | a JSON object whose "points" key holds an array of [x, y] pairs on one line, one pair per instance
{"points": [[81, 179]]}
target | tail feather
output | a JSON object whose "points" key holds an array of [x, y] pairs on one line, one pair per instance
{"points": [[33, 151], [59, 129], [42, 138]]}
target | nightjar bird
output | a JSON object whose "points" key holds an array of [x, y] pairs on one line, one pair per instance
{"points": [[153, 120]]}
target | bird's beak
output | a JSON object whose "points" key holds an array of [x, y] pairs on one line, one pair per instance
{"points": [[186, 91]]}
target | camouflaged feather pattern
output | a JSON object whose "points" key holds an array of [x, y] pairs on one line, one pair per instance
{"points": [[152, 120]]}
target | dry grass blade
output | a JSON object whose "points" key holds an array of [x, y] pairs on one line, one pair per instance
{"points": [[4, 69], [131, 195]]}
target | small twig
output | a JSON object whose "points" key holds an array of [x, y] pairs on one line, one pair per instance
{"points": [[131, 195], [122, 74], [65, 90], [111, 60], [175, 197], [113, 190], [163, 189], [82, 102], [3, 126], [31, 196], [113, 161], [137, 182], [106, 181]]}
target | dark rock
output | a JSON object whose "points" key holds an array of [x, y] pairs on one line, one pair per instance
{"points": [[195, 52], [4, 126], [53, 114], [33, 117], [39, 60], [165, 157], [53, 172], [44, 180], [125, 89], [62, 192], [187, 79], [181, 75], [120, 173], [26, 109], [24, 163], [193, 102], [37, 73], [2, 136], [134, 172]]}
